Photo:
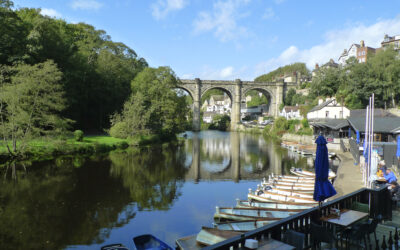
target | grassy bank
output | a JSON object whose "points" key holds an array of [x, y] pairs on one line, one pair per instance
{"points": [[47, 148]]}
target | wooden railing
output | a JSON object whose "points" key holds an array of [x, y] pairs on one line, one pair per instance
{"points": [[378, 200]]}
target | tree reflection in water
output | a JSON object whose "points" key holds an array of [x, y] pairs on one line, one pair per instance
{"points": [[50, 207], [153, 176]]}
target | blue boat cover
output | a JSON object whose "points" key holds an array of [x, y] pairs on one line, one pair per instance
{"points": [[323, 188], [398, 146]]}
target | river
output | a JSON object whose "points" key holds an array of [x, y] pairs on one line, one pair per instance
{"points": [[170, 192]]}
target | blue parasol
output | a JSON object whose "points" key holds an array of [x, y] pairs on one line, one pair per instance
{"points": [[323, 188], [349, 132], [358, 136], [398, 146]]}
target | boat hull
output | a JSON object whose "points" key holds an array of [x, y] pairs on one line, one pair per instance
{"points": [[272, 204], [243, 214]]}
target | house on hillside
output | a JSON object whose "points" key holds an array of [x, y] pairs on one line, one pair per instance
{"points": [[330, 109], [358, 51], [291, 112], [391, 41], [217, 104]]}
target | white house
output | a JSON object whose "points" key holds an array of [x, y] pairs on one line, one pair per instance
{"points": [[330, 109], [218, 104], [352, 52], [291, 112]]}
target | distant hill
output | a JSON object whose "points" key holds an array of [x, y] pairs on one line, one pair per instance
{"points": [[281, 71]]}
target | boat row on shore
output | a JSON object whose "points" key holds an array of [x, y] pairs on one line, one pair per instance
{"points": [[276, 198]]}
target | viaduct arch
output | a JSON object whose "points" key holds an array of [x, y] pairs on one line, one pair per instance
{"points": [[236, 90]]}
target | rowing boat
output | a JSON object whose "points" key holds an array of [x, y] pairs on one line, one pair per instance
{"points": [[286, 179], [148, 241], [295, 184], [242, 226], [271, 190], [267, 197], [292, 177], [305, 173], [242, 214], [209, 236], [288, 188], [297, 206]]}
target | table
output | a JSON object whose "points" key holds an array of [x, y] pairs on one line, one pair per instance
{"points": [[346, 219], [275, 244]]}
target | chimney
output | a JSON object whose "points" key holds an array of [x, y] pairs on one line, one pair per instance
{"points": [[362, 43], [316, 66], [320, 101]]}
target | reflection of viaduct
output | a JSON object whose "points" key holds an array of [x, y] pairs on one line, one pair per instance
{"points": [[233, 169], [235, 90]]}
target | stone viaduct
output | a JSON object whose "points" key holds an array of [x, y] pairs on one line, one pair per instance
{"points": [[236, 90]]}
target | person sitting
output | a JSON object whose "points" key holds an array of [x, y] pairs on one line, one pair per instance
{"points": [[380, 173], [389, 176]]}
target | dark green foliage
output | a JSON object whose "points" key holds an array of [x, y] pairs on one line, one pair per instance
{"points": [[78, 135], [256, 99], [220, 122], [153, 108], [281, 71], [354, 83], [96, 71]]}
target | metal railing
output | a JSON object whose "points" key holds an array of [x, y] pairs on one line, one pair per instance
{"points": [[378, 200], [354, 150]]}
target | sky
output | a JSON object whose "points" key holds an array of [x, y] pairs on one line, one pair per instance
{"points": [[232, 39]]}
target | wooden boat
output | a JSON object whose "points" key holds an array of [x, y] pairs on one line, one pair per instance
{"points": [[303, 190], [305, 173], [286, 179], [267, 197], [240, 214], [271, 190], [209, 236], [148, 241], [297, 206], [293, 177], [242, 226], [288, 183], [117, 246], [288, 188]]}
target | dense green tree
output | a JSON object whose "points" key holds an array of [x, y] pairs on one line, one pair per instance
{"points": [[154, 106], [96, 71], [281, 71], [13, 34], [326, 82], [256, 99], [30, 104]]}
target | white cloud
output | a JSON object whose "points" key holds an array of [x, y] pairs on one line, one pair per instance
{"points": [[86, 4], [335, 41], [268, 13], [50, 13], [161, 8], [223, 20]]}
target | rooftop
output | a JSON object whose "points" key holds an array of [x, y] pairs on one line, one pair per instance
{"points": [[381, 124]]}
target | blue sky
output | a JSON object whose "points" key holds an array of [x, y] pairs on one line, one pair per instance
{"points": [[229, 39]]}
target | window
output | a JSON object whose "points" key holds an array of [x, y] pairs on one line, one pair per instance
{"points": [[326, 113], [363, 53]]}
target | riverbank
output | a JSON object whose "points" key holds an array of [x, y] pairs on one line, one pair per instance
{"points": [[48, 148]]}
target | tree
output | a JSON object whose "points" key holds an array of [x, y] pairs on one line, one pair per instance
{"points": [[154, 106], [281, 71], [30, 104]]}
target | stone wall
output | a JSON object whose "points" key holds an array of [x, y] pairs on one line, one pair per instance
{"points": [[303, 139]]}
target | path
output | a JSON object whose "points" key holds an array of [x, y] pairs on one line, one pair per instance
{"points": [[349, 177]]}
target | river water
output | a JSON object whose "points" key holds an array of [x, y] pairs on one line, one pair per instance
{"points": [[170, 192]]}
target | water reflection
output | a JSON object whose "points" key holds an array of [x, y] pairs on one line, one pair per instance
{"points": [[87, 202]]}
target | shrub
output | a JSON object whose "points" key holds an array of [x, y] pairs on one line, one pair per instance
{"points": [[119, 130], [78, 135], [304, 123]]}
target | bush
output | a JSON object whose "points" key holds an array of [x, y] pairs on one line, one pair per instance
{"points": [[78, 135], [119, 130], [304, 123]]}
